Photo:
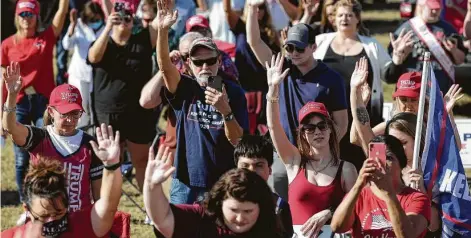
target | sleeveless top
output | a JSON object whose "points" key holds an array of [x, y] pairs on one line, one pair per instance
{"points": [[307, 199]]}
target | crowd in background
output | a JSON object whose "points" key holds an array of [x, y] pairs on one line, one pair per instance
{"points": [[270, 108]]}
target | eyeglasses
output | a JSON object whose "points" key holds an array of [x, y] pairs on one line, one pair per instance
{"points": [[45, 218], [210, 61], [26, 14], [311, 128], [407, 100], [127, 18], [290, 48], [72, 115]]}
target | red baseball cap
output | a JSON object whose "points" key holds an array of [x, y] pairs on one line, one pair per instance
{"points": [[312, 107], [432, 4], [408, 85], [66, 98], [196, 20], [27, 6]]}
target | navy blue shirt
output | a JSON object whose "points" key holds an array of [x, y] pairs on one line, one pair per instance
{"points": [[203, 152], [321, 84], [252, 75], [414, 61]]}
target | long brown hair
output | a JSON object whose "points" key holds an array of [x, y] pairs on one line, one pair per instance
{"points": [[46, 180], [356, 8], [324, 18], [305, 148], [406, 122], [244, 186], [266, 24]]}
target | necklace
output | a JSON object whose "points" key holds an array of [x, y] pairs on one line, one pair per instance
{"points": [[320, 170]]}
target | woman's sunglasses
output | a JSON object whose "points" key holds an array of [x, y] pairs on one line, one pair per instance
{"points": [[210, 61], [311, 128], [127, 18], [290, 48], [26, 14]]}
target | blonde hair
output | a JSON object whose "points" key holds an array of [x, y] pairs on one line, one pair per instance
{"points": [[356, 8], [17, 24], [324, 17]]}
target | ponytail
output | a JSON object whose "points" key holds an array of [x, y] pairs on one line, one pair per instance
{"points": [[47, 119]]}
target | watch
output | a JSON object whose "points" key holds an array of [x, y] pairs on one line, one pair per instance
{"points": [[229, 117], [113, 166]]}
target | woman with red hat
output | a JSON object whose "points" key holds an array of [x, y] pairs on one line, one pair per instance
{"points": [[33, 50], [58, 139], [318, 179], [402, 125]]}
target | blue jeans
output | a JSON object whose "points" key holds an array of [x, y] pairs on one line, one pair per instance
{"points": [[29, 111], [181, 193]]}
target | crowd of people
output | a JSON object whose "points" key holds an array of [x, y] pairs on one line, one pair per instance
{"points": [[271, 108]]}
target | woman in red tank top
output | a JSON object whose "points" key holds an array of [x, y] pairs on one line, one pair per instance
{"points": [[317, 178]]}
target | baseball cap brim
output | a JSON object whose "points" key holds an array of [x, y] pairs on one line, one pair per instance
{"points": [[193, 48], [197, 24], [296, 43], [406, 93], [434, 5], [64, 109]]}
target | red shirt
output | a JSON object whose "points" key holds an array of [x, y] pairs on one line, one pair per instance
{"points": [[82, 166], [372, 217], [80, 225], [35, 58], [454, 17]]}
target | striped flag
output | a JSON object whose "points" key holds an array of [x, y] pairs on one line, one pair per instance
{"points": [[444, 175]]}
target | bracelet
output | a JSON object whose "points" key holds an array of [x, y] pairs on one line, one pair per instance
{"points": [[8, 110], [272, 99], [113, 167]]}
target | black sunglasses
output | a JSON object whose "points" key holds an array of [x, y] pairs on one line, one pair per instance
{"points": [[290, 48], [210, 61], [311, 128], [127, 18], [26, 14]]}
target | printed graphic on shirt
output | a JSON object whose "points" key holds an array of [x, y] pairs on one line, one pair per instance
{"points": [[420, 48], [206, 115], [74, 175], [375, 224]]}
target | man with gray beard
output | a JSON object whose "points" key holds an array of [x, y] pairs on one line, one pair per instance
{"points": [[209, 121]]}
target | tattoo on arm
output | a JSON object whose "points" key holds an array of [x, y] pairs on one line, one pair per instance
{"points": [[362, 115]]}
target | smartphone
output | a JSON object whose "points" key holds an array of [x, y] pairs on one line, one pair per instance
{"points": [[119, 8], [215, 82], [378, 151]]}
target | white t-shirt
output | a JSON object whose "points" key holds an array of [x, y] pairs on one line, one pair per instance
{"points": [[65, 145], [218, 21]]}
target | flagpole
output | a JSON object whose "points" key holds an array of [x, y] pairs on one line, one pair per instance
{"points": [[420, 114]]}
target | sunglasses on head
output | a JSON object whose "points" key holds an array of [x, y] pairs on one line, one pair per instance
{"points": [[311, 128], [26, 14], [290, 48], [210, 61]]}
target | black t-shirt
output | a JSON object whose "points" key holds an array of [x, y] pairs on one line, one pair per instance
{"points": [[122, 73]]}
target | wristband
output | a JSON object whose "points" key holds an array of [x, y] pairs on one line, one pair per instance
{"points": [[8, 110], [113, 167]]}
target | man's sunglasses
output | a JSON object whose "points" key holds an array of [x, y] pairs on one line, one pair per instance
{"points": [[210, 61], [311, 128], [290, 48], [26, 14]]}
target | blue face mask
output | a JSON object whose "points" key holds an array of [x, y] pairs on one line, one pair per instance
{"points": [[95, 25]]}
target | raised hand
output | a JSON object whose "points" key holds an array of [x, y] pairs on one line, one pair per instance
{"points": [[366, 172], [165, 16], [365, 93], [12, 78], [113, 19], [383, 181], [403, 44], [274, 75], [415, 177], [310, 7], [360, 74], [284, 35], [218, 99], [313, 226], [452, 96], [175, 57], [159, 167], [108, 148], [73, 16]]}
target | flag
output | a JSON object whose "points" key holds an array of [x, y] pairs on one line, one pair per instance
{"points": [[444, 175]]}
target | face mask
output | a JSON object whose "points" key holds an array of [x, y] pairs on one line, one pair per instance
{"points": [[55, 228], [95, 25]]}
